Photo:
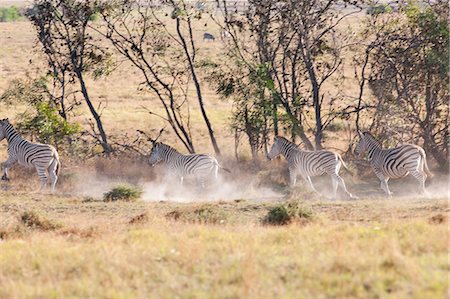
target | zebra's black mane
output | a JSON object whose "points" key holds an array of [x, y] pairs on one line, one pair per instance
{"points": [[166, 146], [285, 140], [372, 137]]}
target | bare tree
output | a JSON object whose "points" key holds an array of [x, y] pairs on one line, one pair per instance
{"points": [[166, 58], [61, 26]]}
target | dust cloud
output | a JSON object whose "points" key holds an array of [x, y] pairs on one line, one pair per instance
{"points": [[165, 189], [221, 189]]}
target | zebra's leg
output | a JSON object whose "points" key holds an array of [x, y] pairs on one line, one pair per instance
{"points": [[385, 187], [52, 174], [6, 165], [307, 178], [335, 185], [340, 181], [182, 180], [42, 177], [421, 177], [292, 177]]}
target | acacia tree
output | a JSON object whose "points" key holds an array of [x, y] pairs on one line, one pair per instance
{"points": [[166, 58], [299, 44], [61, 27], [405, 65]]}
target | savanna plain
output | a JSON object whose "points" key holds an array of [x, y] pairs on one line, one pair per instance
{"points": [[248, 237]]}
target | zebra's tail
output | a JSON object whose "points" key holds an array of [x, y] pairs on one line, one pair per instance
{"points": [[343, 164], [58, 163], [221, 167], [425, 164]]}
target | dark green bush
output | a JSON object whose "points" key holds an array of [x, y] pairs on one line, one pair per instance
{"points": [[286, 213], [277, 216], [123, 192]]}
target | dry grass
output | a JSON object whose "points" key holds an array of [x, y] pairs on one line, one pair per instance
{"points": [[358, 249], [75, 245]]}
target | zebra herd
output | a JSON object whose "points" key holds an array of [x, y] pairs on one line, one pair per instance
{"points": [[386, 163]]}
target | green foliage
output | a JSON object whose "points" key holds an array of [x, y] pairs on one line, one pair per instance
{"points": [[123, 192], [251, 88], [277, 216], [379, 9], [47, 125], [43, 121], [94, 17], [9, 14], [286, 213], [434, 30], [29, 92]]}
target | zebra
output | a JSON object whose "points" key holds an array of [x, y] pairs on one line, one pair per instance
{"points": [[309, 163], [43, 157], [394, 162], [200, 166]]}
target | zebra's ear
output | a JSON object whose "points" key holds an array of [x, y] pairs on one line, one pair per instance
{"points": [[360, 134]]}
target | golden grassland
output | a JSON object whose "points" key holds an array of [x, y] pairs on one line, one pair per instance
{"points": [[70, 245], [348, 249]]}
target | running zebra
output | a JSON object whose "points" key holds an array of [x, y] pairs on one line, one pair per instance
{"points": [[394, 162], [199, 166], [309, 163], [43, 157]]}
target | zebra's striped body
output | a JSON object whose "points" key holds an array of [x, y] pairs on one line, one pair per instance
{"points": [[43, 157], [199, 166], [309, 163], [394, 162]]}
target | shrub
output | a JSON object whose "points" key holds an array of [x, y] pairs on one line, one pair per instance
{"points": [[286, 213], [204, 214], [277, 216], [9, 14], [33, 220], [123, 192]]}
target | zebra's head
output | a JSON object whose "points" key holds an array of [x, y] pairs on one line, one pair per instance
{"points": [[361, 147], [3, 123], [275, 150], [155, 154]]}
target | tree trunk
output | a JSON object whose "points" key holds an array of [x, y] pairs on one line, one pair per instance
{"points": [[198, 90], [104, 141]]}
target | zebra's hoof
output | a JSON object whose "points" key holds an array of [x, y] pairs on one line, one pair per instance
{"points": [[5, 178]]}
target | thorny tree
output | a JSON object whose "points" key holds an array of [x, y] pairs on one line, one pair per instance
{"points": [[62, 26], [405, 65], [300, 45], [165, 56]]}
